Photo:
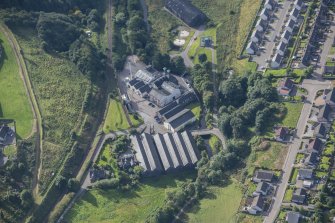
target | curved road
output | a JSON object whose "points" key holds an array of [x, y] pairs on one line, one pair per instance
{"points": [[214, 131]]}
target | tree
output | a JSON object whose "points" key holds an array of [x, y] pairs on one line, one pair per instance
{"points": [[179, 66], [26, 198], [73, 185], [208, 99], [61, 182], [202, 58], [233, 92]]}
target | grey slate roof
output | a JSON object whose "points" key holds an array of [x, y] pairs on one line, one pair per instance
{"points": [[295, 13], [262, 186], [139, 84], [174, 111], [258, 202], [168, 108], [264, 175], [180, 118], [261, 22], [163, 152], [330, 97], [324, 112], [185, 157], [191, 146], [282, 46], [315, 144], [312, 158], [298, 2], [187, 98], [140, 152], [290, 23], [257, 34], [292, 217], [265, 12], [133, 82], [151, 153], [305, 173], [172, 147], [277, 58], [252, 46], [320, 129], [287, 35]]}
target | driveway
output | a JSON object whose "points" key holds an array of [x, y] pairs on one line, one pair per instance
{"points": [[312, 86], [188, 62]]}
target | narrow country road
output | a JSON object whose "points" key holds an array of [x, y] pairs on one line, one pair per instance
{"points": [[214, 131], [37, 126], [188, 62], [312, 86]]}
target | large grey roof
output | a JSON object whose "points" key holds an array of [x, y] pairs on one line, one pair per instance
{"points": [[174, 111], [282, 46], [191, 146], [163, 151], [140, 152], [151, 153], [168, 108], [287, 35], [295, 13], [172, 147], [180, 118], [185, 157]]}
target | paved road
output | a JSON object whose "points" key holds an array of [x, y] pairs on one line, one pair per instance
{"points": [[188, 62], [214, 131], [326, 48], [312, 86], [275, 29]]}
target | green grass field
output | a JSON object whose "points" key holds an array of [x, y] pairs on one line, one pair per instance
{"points": [[293, 113], [196, 110], [288, 194], [116, 118], [132, 206], [60, 89], [14, 100], [136, 120], [213, 141], [220, 205], [271, 158]]}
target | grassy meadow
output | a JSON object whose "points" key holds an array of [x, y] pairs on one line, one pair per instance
{"points": [[116, 118], [131, 206], [292, 115], [220, 205], [60, 89], [14, 100]]}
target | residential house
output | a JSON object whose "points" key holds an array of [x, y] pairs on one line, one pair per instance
{"points": [[256, 36], [263, 175], [252, 48], [262, 188], [299, 196], [330, 98], [320, 131], [270, 4], [307, 183], [312, 159], [286, 36], [265, 14], [292, 217], [281, 134], [257, 205], [294, 15], [276, 61], [290, 25], [261, 25], [286, 86], [298, 4], [281, 48], [324, 114], [315, 145], [305, 174]]}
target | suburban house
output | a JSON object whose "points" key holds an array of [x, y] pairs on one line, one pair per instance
{"points": [[299, 196], [315, 145], [262, 188], [330, 98], [286, 86], [305, 174], [252, 48], [261, 25], [290, 25], [4, 132], [292, 217], [281, 134], [256, 36], [263, 175], [298, 4], [265, 14], [270, 4], [186, 11], [276, 60], [286, 36], [257, 205], [307, 183], [312, 159], [281, 48], [320, 131], [324, 113], [294, 15]]}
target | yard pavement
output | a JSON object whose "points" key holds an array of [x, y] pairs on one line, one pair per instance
{"points": [[312, 86], [188, 62]]}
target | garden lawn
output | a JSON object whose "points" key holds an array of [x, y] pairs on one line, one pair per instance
{"points": [[288, 195], [131, 206], [293, 176], [116, 118], [14, 101], [213, 141], [271, 158], [220, 205], [293, 113], [60, 90], [195, 109], [106, 158], [136, 120]]}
